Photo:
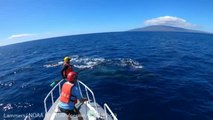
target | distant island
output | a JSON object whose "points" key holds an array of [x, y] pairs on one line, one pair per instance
{"points": [[164, 28]]}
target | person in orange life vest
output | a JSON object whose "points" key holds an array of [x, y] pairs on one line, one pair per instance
{"points": [[69, 94], [67, 67]]}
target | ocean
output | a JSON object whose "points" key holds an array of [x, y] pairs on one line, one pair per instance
{"points": [[140, 75]]}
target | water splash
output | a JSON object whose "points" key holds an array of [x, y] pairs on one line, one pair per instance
{"points": [[9, 84], [7, 107], [88, 62], [23, 105], [130, 62], [24, 85], [53, 65]]}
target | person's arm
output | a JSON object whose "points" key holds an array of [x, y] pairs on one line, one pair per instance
{"points": [[79, 97]]}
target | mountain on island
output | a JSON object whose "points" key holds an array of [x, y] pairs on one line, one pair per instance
{"points": [[163, 28]]}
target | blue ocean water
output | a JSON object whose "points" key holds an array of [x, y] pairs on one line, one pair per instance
{"points": [[141, 75]]}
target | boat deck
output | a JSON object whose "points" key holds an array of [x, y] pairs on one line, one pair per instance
{"points": [[87, 112]]}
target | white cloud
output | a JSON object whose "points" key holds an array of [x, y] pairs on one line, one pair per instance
{"points": [[170, 21], [20, 36]]}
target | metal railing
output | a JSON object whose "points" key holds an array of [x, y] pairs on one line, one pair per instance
{"points": [[106, 107], [87, 90], [50, 94], [87, 94]]}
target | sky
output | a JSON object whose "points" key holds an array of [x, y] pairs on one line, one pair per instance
{"points": [[24, 20]]}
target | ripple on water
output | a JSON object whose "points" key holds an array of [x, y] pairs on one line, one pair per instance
{"points": [[9, 106]]}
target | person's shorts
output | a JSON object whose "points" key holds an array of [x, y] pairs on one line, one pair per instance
{"points": [[70, 112]]}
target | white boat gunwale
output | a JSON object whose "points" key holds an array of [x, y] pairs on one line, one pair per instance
{"points": [[79, 83]]}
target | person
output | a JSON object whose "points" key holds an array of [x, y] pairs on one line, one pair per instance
{"points": [[67, 67], [69, 95]]}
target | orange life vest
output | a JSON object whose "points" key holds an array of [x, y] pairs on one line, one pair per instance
{"points": [[66, 93], [69, 69]]}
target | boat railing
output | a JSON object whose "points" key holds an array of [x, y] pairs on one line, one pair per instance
{"points": [[50, 94], [106, 108], [87, 90], [58, 85]]}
